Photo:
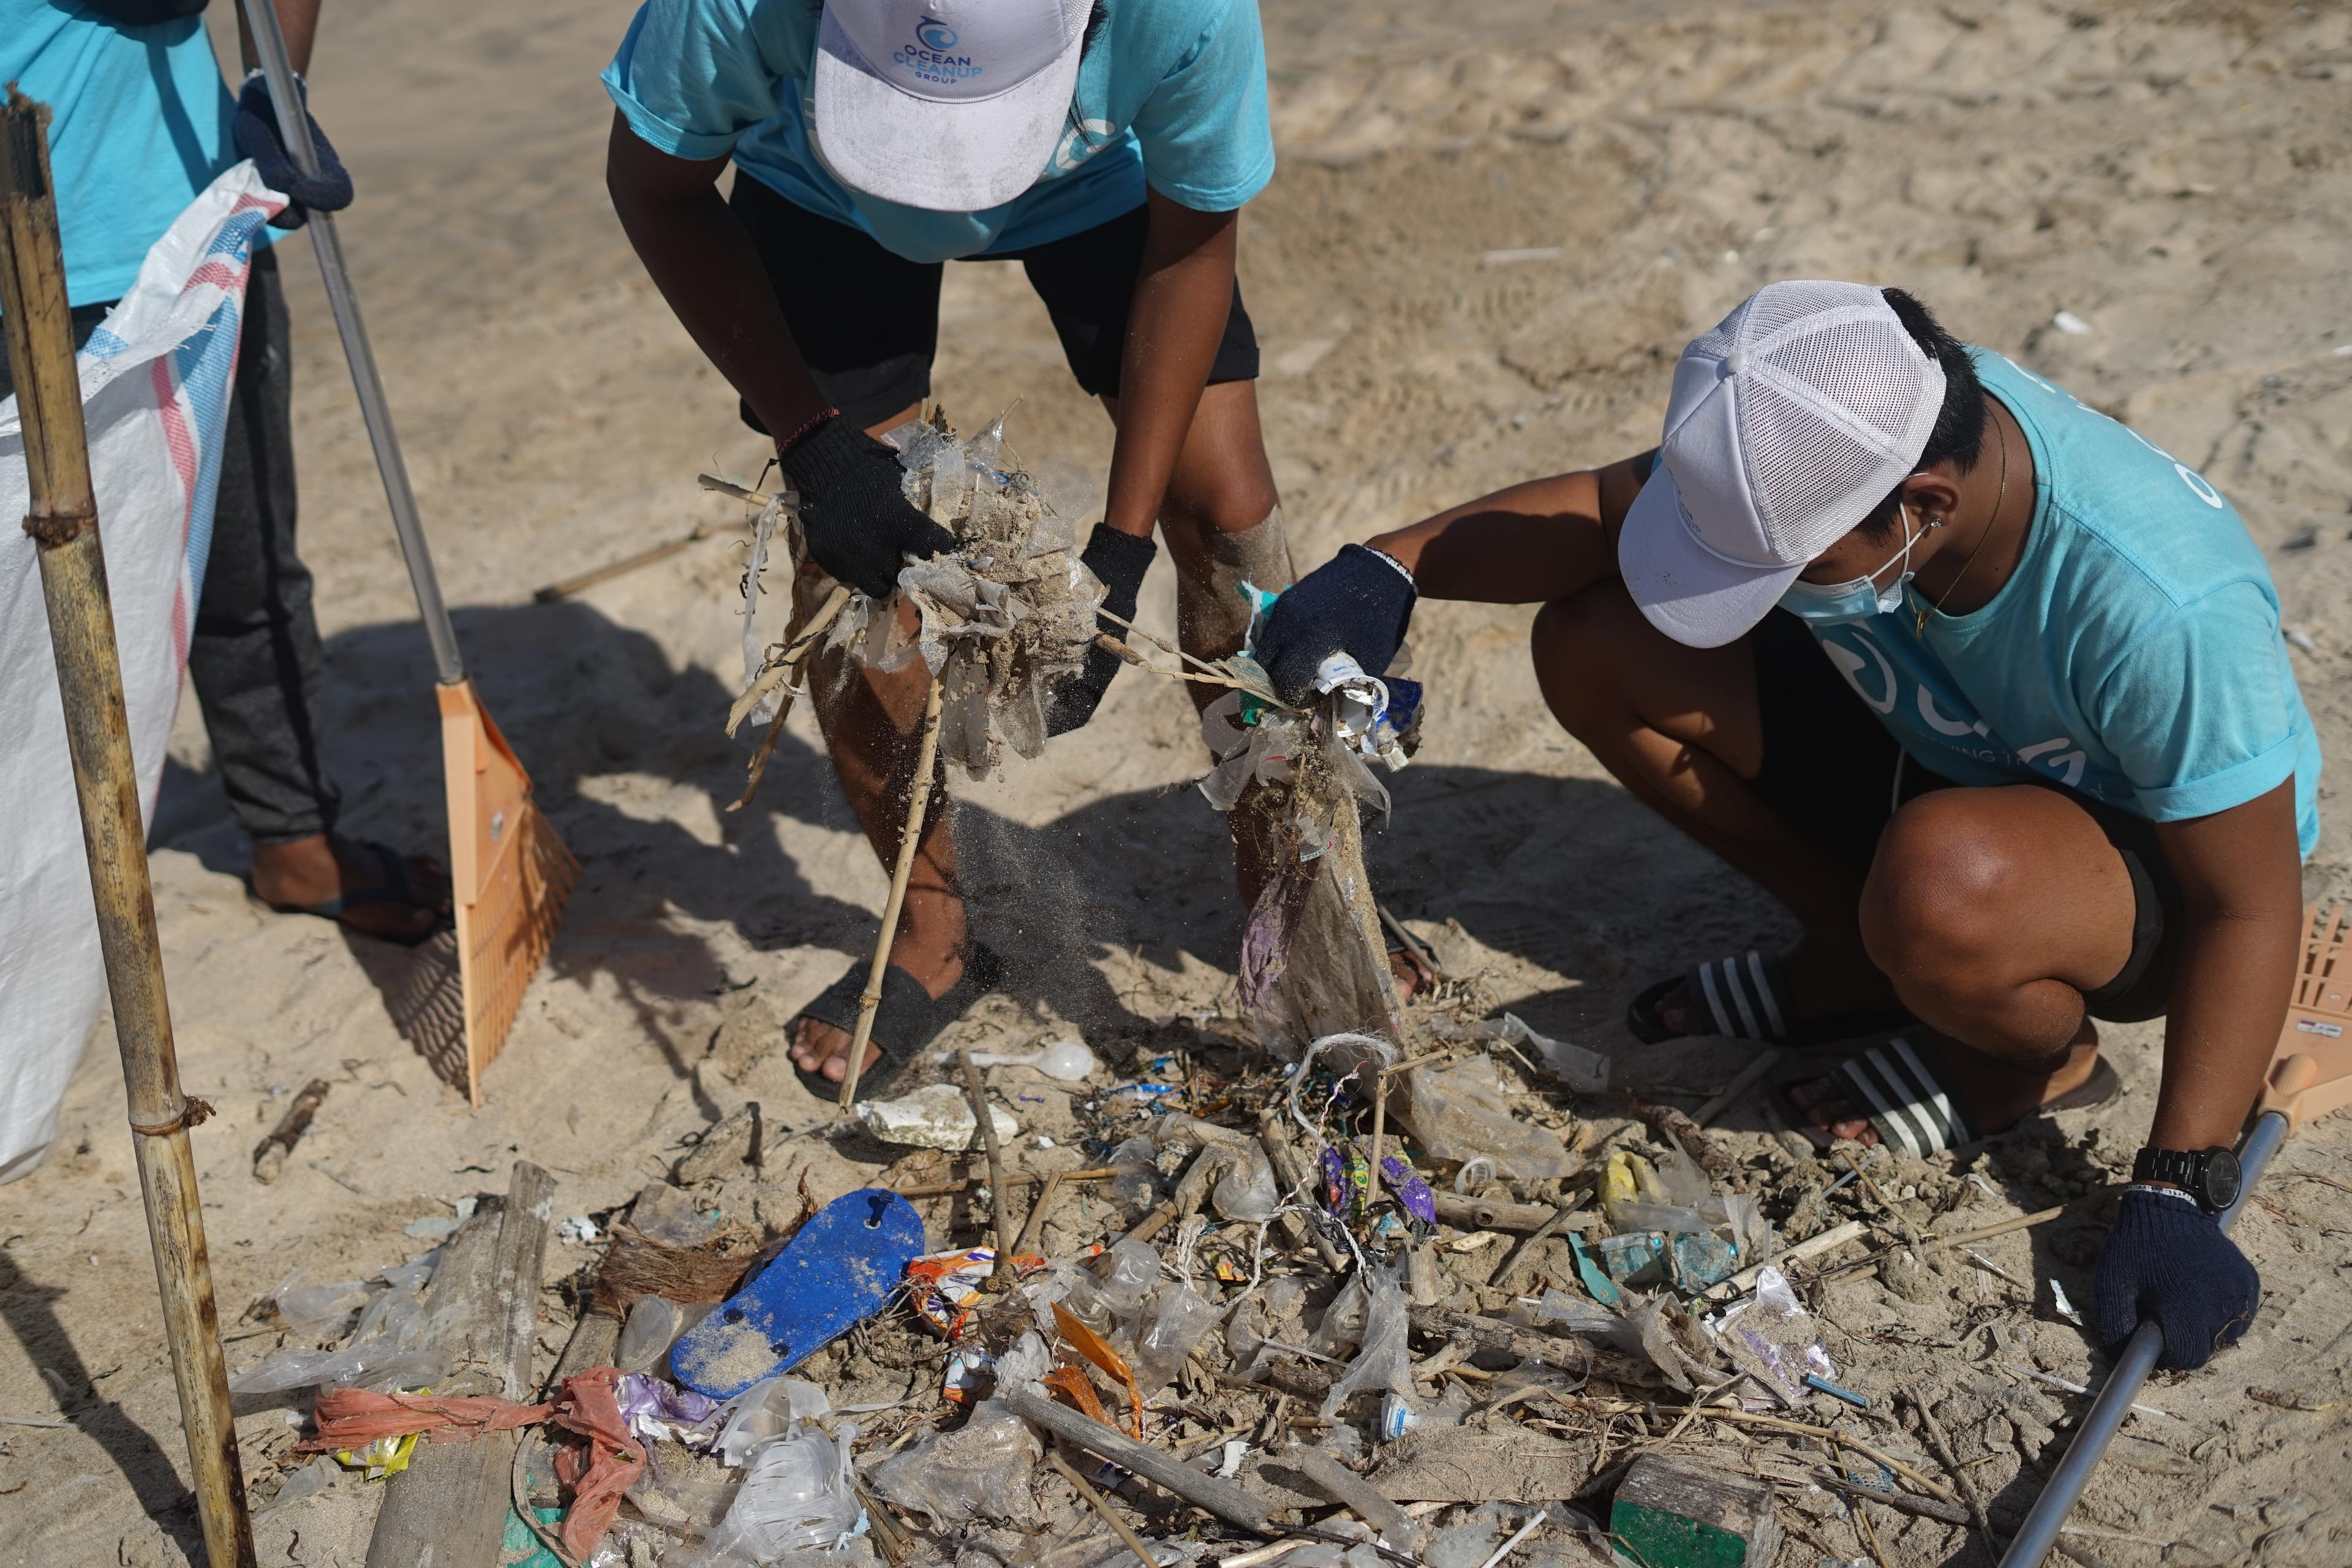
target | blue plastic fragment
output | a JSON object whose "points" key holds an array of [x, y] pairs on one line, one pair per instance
{"points": [[1599, 1286], [1816, 1382], [841, 1268]]}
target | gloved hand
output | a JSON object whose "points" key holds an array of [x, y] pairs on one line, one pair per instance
{"points": [[1120, 560], [854, 512], [2167, 1260], [256, 132], [1357, 603]]}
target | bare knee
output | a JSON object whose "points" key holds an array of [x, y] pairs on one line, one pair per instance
{"points": [[1578, 644], [1225, 499], [1940, 894]]}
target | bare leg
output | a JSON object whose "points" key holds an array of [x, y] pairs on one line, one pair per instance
{"points": [[1680, 727], [1993, 911], [869, 720]]}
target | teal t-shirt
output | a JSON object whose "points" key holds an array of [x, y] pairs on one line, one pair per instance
{"points": [[140, 124], [2135, 655], [1170, 93]]}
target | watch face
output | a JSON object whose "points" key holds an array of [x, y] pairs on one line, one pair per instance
{"points": [[2222, 1179]]}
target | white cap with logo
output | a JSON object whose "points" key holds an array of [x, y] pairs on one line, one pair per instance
{"points": [[949, 105], [1788, 424]]}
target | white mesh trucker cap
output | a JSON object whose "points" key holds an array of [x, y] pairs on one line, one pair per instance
{"points": [[1787, 424], [949, 105]]}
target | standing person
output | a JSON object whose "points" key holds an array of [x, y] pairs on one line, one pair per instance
{"points": [[1108, 148], [141, 122], [2054, 767]]}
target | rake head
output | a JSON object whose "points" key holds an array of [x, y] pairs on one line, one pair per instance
{"points": [[510, 872]]}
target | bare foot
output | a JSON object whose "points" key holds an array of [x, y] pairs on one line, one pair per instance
{"points": [[1995, 1094], [821, 1049], [303, 872], [1409, 974]]}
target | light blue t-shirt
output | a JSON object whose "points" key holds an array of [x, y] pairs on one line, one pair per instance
{"points": [[2135, 655], [140, 124], [1171, 94]]}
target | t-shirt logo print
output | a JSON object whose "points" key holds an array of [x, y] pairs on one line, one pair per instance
{"points": [[930, 58]]}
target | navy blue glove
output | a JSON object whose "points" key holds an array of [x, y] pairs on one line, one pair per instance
{"points": [[855, 513], [329, 190], [1120, 560], [2167, 1260], [1359, 603]]}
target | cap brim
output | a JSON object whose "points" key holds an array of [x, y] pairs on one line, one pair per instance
{"points": [[941, 157], [1687, 591]]}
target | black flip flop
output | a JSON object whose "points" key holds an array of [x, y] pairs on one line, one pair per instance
{"points": [[394, 886], [1912, 1105], [1749, 1000], [907, 1020]]}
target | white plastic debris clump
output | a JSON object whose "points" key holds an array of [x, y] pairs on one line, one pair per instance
{"points": [[936, 1116]]}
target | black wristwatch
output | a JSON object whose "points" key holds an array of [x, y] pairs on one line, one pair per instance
{"points": [[2209, 1176]]}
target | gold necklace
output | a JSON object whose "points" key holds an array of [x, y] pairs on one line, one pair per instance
{"points": [[1919, 623]]}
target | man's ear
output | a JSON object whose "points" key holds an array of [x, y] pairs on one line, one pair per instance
{"points": [[1932, 494]]}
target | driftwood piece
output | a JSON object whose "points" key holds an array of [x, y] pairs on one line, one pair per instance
{"points": [[1335, 1480], [1225, 1500], [1480, 1213], [1280, 1153], [270, 1154], [1566, 1353], [449, 1506], [1674, 1126]]}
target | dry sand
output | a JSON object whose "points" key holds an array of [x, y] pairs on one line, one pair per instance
{"points": [[2177, 176]]}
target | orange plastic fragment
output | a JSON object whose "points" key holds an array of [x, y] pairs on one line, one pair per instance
{"points": [[1078, 1392], [1092, 1346]]}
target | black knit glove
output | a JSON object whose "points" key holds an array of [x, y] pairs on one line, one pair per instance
{"points": [[1359, 603], [855, 513], [256, 133], [1120, 560], [2167, 1260]]}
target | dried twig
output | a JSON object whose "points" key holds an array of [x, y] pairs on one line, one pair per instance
{"points": [[918, 805], [1003, 1276]]}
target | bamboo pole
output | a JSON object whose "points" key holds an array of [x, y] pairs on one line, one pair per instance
{"points": [[918, 805], [63, 527], [1003, 1276]]}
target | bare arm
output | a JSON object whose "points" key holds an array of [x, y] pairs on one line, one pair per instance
{"points": [[703, 263], [1183, 292], [297, 19], [1535, 541], [2242, 883]]}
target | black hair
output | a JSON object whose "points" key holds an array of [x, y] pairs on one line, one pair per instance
{"points": [[1958, 436]]}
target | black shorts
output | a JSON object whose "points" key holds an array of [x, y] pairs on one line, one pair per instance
{"points": [[868, 320], [1829, 766]]}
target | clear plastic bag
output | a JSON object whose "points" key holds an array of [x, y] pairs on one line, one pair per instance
{"points": [[319, 1311], [1460, 1113], [1382, 1364], [1125, 1275], [980, 1470], [796, 1496], [766, 1410], [1176, 1318], [654, 1325]]}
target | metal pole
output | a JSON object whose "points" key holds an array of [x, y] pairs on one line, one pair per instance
{"points": [[63, 524], [294, 126], [2039, 1533]]}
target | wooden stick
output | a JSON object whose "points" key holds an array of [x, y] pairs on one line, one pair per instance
{"points": [[1966, 1482], [729, 488], [1280, 1155], [1229, 1500], [1902, 1502], [1421, 950], [1766, 1060], [270, 1154], [1143, 1553], [919, 803], [1812, 1246], [1373, 1186], [1011, 1179], [1002, 1275], [64, 526], [1932, 1487], [1031, 1227], [1104, 639], [564, 587], [1528, 1243]]}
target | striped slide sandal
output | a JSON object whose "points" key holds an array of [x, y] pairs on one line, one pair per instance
{"points": [[1748, 999], [1909, 1101]]}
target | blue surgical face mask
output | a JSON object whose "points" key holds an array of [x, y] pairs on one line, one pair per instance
{"points": [[1833, 604]]}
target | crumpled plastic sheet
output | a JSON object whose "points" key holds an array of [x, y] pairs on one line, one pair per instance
{"points": [[386, 1351], [1459, 1113], [656, 1408], [1382, 1364], [797, 1497], [1177, 1318], [766, 1409], [1001, 620], [1245, 1192], [981, 1469]]}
